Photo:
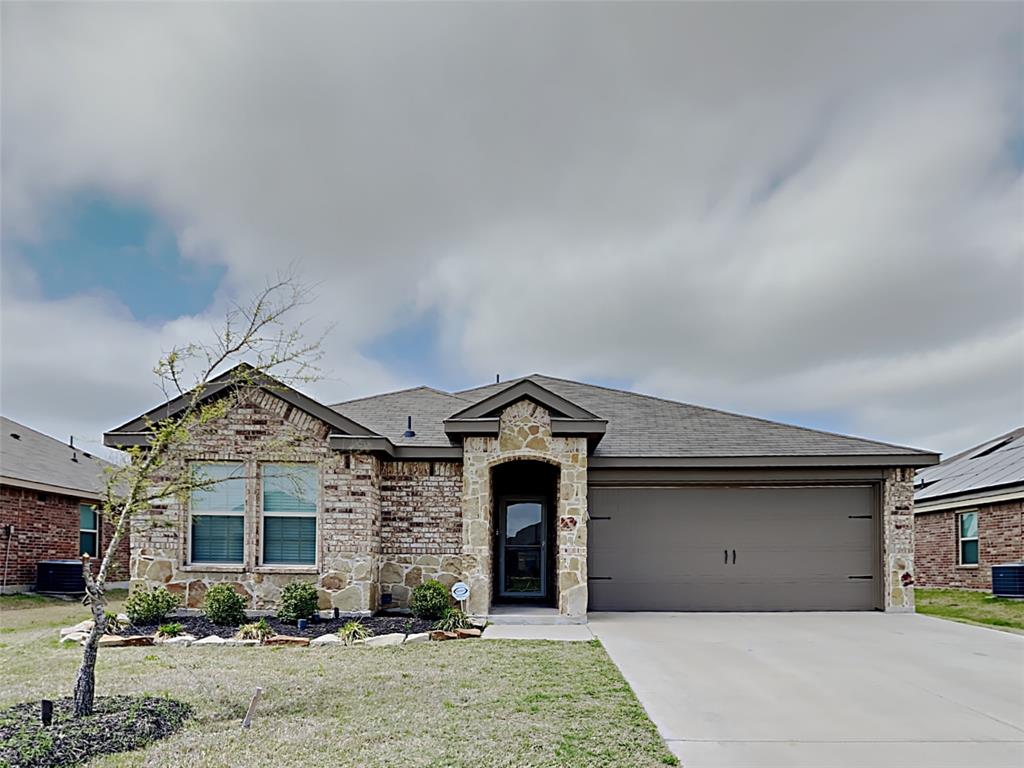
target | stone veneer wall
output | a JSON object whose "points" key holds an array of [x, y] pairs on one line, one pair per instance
{"points": [[525, 433], [421, 525], [263, 428], [898, 539]]}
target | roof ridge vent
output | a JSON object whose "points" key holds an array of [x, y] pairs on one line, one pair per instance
{"points": [[408, 428]]}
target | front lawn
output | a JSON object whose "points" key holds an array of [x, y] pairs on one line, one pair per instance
{"points": [[462, 703], [971, 607]]}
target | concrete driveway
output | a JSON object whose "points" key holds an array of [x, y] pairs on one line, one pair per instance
{"points": [[823, 689]]}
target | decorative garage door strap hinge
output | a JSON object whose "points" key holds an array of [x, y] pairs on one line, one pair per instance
{"points": [[598, 517], [599, 578], [860, 577], [860, 517]]}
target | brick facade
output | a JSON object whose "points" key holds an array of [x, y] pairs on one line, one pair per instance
{"points": [[385, 526], [421, 526], [260, 428], [46, 528], [1000, 540]]}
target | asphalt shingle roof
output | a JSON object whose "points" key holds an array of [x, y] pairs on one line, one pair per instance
{"points": [[995, 463], [37, 458], [638, 425], [387, 414]]}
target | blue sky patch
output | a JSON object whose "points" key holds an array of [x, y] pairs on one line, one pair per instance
{"points": [[93, 242]]}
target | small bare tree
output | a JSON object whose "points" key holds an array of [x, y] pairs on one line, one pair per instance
{"points": [[259, 339]]}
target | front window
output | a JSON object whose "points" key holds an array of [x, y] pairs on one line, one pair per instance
{"points": [[968, 531], [218, 513], [88, 530], [289, 493]]}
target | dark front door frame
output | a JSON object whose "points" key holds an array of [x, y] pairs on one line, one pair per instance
{"points": [[542, 548]]}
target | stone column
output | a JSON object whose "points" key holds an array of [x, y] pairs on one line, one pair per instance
{"points": [[898, 539], [525, 433], [476, 522], [572, 533]]}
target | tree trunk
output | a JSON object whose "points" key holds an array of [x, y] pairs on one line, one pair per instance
{"points": [[85, 680]]}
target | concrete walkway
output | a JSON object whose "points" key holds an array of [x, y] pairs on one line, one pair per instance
{"points": [[824, 689], [572, 632]]}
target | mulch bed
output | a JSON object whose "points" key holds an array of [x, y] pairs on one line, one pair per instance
{"points": [[118, 724], [201, 627]]}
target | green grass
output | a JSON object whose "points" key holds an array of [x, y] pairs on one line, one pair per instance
{"points": [[971, 607], [25, 612], [469, 703]]}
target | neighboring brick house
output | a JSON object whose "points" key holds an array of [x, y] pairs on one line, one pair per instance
{"points": [[49, 491], [969, 514], [538, 490]]}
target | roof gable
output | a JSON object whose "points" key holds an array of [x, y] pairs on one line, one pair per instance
{"points": [[529, 389], [134, 432]]}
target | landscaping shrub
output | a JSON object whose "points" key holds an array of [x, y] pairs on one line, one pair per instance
{"points": [[452, 619], [298, 601], [149, 606], [353, 631], [173, 629], [258, 630], [224, 606], [430, 600]]}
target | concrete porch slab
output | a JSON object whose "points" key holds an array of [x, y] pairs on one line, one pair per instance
{"points": [[530, 614], [567, 632]]}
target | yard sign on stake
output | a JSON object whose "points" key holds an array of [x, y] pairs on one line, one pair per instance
{"points": [[460, 591]]}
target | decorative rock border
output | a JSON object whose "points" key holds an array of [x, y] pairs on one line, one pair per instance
{"points": [[79, 632]]}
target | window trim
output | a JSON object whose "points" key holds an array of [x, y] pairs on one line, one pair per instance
{"points": [[960, 539], [261, 514], [95, 531], [233, 565]]}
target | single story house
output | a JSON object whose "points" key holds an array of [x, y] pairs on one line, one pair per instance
{"points": [[536, 490], [969, 514], [50, 492]]}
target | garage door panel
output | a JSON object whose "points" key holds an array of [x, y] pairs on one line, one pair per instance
{"points": [[673, 549]]}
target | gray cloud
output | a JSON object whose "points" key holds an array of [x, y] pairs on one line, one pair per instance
{"points": [[771, 208]]}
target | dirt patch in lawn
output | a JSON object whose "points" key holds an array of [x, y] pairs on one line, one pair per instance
{"points": [[118, 724]]}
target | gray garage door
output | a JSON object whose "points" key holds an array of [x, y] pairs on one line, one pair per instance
{"points": [[733, 549]]}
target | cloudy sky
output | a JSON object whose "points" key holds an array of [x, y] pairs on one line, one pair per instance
{"points": [[813, 213]]}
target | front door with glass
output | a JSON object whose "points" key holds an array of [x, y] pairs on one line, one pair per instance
{"points": [[522, 548]]}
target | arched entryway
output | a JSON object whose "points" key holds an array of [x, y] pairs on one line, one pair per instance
{"points": [[525, 497]]}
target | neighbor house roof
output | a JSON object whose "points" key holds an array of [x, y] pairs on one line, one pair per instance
{"points": [[987, 471], [639, 427], [30, 459]]}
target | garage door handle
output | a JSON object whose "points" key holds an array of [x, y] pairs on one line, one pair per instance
{"points": [[725, 555], [734, 557]]}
